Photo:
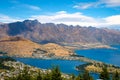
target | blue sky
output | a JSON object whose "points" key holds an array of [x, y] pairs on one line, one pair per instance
{"points": [[71, 12]]}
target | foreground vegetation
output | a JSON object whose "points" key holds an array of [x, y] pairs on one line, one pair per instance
{"points": [[55, 74]]}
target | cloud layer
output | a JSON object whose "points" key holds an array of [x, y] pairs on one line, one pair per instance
{"points": [[7, 19], [99, 3], [66, 18], [111, 3], [69, 19], [77, 19]]}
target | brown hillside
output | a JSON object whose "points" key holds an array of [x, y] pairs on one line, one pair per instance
{"points": [[57, 49], [17, 46]]}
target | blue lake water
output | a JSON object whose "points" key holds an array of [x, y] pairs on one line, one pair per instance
{"points": [[66, 66], [111, 56]]}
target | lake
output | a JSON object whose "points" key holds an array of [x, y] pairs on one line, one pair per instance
{"points": [[111, 56], [66, 66]]}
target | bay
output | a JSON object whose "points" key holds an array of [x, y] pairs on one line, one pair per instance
{"points": [[111, 56], [66, 66]]}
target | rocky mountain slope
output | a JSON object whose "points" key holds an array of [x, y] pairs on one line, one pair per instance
{"points": [[57, 33], [17, 46]]}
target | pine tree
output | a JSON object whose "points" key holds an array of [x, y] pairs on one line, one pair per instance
{"points": [[56, 74], [39, 77], [73, 77], [47, 76], [104, 74], [116, 76], [79, 77], [24, 75], [86, 76]]}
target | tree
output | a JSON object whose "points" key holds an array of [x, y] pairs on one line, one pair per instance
{"points": [[56, 74], [73, 77], [47, 76], [79, 77], [86, 76], [24, 75], [39, 77], [104, 74], [116, 76]]}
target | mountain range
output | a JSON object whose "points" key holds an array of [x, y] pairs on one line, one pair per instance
{"points": [[59, 33]]}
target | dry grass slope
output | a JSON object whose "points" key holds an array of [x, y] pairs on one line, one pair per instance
{"points": [[17, 46], [57, 49]]}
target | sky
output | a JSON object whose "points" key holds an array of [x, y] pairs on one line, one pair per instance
{"points": [[97, 13]]}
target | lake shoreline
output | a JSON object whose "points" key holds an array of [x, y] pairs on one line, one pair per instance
{"points": [[91, 68], [96, 69], [83, 46]]}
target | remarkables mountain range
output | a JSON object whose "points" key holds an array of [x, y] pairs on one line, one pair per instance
{"points": [[59, 33]]}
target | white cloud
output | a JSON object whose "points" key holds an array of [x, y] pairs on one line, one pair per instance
{"points": [[111, 3], [69, 19], [66, 18], [7, 19], [77, 19], [31, 7], [84, 5], [99, 3], [113, 20]]}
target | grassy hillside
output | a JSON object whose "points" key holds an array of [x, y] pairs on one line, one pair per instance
{"points": [[17, 46]]}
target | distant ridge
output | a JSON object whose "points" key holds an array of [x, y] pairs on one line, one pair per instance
{"points": [[59, 33]]}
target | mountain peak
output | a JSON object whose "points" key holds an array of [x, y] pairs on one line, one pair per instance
{"points": [[31, 21]]}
